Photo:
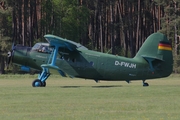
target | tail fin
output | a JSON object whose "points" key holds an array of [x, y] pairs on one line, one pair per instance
{"points": [[157, 51]]}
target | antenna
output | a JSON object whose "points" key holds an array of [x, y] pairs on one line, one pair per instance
{"points": [[109, 51]]}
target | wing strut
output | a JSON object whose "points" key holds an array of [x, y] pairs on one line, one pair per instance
{"points": [[54, 53], [41, 81]]}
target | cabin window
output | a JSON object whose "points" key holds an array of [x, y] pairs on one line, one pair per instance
{"points": [[43, 49], [91, 63], [36, 46]]}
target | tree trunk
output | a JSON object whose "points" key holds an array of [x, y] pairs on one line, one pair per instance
{"points": [[112, 27], [138, 24]]}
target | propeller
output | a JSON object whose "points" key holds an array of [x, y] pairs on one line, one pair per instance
{"points": [[9, 55]]}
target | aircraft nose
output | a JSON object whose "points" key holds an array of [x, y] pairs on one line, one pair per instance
{"points": [[10, 55], [20, 55]]}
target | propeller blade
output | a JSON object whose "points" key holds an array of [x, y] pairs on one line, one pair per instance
{"points": [[9, 54], [13, 46]]}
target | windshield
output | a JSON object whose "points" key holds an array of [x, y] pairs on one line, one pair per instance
{"points": [[42, 47]]}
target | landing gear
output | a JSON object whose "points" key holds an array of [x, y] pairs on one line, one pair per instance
{"points": [[36, 83], [145, 84], [96, 80], [43, 84], [41, 81]]}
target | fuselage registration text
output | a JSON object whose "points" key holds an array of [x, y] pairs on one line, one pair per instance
{"points": [[125, 64]]}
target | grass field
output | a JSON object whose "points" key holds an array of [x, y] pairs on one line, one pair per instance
{"points": [[78, 99]]}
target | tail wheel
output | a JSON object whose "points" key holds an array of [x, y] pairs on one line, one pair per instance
{"points": [[145, 84], [37, 83]]}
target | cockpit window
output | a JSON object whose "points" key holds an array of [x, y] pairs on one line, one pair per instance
{"points": [[42, 47], [36, 46]]}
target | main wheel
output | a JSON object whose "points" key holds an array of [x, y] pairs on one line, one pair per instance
{"points": [[37, 83], [44, 84], [145, 84]]}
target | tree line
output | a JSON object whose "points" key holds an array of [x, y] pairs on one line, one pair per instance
{"points": [[115, 26]]}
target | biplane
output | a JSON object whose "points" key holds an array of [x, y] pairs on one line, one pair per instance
{"points": [[70, 59]]}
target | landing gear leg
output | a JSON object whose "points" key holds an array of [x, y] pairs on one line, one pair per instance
{"points": [[96, 80], [145, 84], [41, 81]]}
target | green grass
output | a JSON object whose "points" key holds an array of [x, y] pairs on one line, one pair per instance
{"points": [[78, 99]]}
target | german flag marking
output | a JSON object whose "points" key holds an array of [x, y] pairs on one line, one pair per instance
{"points": [[164, 46]]}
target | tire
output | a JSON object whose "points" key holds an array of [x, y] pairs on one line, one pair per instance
{"points": [[37, 83], [44, 84]]}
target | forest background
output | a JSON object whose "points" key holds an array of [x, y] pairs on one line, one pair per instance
{"points": [[113, 26]]}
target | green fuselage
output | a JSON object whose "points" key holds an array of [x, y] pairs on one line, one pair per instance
{"points": [[90, 64]]}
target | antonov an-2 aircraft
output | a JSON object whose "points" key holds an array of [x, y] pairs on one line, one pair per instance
{"points": [[153, 60]]}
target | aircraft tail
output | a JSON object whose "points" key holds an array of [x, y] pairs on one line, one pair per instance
{"points": [[157, 51]]}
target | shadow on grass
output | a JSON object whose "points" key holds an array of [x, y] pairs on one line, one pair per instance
{"points": [[71, 86], [105, 86]]}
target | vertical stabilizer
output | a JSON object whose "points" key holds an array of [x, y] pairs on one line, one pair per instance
{"points": [[157, 51]]}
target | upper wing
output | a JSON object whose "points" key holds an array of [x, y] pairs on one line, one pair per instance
{"points": [[59, 42], [53, 40]]}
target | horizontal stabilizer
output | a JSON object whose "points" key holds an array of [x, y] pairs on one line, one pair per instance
{"points": [[153, 61], [160, 57]]}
